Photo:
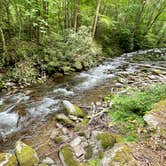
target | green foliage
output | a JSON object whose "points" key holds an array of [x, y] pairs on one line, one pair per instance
{"points": [[128, 109], [68, 50], [107, 140], [24, 72]]}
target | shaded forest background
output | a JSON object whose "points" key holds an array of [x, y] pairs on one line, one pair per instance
{"points": [[39, 37]]}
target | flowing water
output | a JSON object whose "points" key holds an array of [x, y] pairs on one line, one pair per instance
{"points": [[24, 112]]}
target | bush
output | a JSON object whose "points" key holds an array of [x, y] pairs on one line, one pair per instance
{"points": [[64, 51], [128, 109], [24, 72]]}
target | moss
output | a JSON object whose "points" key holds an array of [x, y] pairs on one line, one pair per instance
{"points": [[26, 155], [122, 157], [89, 152], [67, 155], [64, 119], [107, 140], [8, 159], [118, 138], [79, 112], [58, 139]]}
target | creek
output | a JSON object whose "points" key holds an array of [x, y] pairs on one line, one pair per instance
{"points": [[29, 112]]}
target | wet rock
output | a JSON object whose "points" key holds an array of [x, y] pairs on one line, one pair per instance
{"points": [[64, 119], [26, 156], [7, 159], [48, 161], [67, 157], [119, 155], [73, 109]]}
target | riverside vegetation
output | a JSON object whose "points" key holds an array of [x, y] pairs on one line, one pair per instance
{"points": [[45, 37]]}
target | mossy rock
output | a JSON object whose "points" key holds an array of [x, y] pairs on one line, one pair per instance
{"points": [[156, 117], [73, 109], [62, 118], [7, 159], [106, 139], [119, 155], [26, 155], [58, 139], [66, 156], [79, 112]]}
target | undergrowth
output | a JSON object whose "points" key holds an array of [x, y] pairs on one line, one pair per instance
{"points": [[128, 109]]}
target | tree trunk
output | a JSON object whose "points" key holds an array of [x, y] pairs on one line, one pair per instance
{"points": [[75, 14], [96, 19], [3, 40]]}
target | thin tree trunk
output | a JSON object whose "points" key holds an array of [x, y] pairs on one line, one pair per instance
{"points": [[3, 40], [75, 14], [96, 19]]}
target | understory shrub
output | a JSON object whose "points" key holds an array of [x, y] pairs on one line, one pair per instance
{"points": [[61, 51], [128, 109], [24, 72]]}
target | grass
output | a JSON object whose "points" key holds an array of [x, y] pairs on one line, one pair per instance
{"points": [[128, 109]]}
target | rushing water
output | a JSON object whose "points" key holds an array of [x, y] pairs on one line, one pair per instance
{"points": [[19, 110]]}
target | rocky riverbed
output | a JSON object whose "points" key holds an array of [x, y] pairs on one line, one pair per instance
{"points": [[65, 120]]}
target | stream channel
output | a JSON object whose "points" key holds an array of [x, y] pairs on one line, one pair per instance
{"points": [[29, 113]]}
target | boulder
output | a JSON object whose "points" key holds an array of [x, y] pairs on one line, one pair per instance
{"points": [[26, 156], [157, 117], [73, 109], [66, 156], [119, 155], [7, 159]]}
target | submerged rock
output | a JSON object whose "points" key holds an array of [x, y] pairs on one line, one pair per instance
{"points": [[7, 159], [73, 109], [119, 155], [26, 156]]}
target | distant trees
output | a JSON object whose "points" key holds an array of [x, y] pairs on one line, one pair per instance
{"points": [[130, 24]]}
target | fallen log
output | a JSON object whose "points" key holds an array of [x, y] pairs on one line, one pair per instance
{"points": [[149, 66]]}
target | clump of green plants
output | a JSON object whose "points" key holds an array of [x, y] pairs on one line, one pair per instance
{"points": [[24, 72], [106, 139], [128, 109]]}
